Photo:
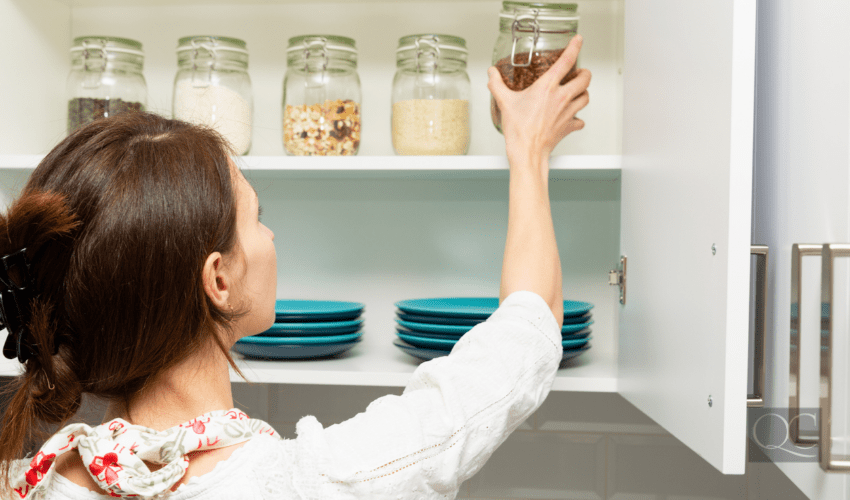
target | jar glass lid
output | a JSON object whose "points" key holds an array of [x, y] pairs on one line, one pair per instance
{"points": [[332, 42], [108, 44], [443, 42], [560, 11], [212, 42]]}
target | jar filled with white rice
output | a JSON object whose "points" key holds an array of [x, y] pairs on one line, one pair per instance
{"points": [[212, 87]]}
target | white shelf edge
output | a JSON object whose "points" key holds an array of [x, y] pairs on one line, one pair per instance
{"points": [[592, 371], [560, 167]]}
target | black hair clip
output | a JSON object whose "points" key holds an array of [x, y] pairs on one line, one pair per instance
{"points": [[16, 294]]}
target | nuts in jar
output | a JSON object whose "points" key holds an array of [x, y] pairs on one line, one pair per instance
{"points": [[331, 128]]}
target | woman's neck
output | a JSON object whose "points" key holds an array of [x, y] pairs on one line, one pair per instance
{"points": [[196, 386]]}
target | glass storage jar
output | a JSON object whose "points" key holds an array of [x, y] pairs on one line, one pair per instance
{"points": [[531, 37], [430, 97], [212, 87], [105, 79], [321, 97]]}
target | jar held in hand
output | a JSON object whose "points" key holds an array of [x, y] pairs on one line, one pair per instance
{"points": [[212, 87], [532, 35]]}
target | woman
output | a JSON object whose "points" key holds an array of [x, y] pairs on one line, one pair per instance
{"points": [[134, 259]]}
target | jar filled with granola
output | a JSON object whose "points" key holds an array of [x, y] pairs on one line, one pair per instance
{"points": [[321, 97], [431, 96], [212, 87], [532, 35], [105, 79]]}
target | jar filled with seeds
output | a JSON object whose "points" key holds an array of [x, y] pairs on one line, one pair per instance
{"points": [[321, 97], [431, 96], [105, 79], [532, 35], [212, 87]]}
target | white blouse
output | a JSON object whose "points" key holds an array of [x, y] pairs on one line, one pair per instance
{"points": [[424, 444]]}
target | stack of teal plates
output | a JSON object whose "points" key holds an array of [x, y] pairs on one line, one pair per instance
{"points": [[429, 328], [305, 329]]}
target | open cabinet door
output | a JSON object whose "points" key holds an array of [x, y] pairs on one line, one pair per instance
{"points": [[685, 222]]}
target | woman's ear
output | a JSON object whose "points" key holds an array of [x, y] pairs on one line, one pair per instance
{"points": [[216, 281]]}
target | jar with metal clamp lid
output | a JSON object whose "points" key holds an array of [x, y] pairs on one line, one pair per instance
{"points": [[105, 79], [321, 97], [532, 35], [212, 87], [430, 97]]}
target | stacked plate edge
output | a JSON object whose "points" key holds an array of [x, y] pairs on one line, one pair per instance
{"points": [[429, 328], [306, 329]]}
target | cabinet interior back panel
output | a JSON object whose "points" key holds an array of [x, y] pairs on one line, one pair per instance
{"points": [[379, 241], [376, 28]]}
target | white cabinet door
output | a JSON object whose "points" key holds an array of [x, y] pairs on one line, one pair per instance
{"points": [[685, 222], [802, 181]]}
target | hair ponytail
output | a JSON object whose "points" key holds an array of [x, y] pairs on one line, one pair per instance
{"points": [[48, 391]]}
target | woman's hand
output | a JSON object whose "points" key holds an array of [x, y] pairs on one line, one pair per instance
{"points": [[535, 120]]}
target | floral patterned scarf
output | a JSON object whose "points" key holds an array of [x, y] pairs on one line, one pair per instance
{"points": [[114, 452]]}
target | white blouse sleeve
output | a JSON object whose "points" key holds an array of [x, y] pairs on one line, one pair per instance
{"points": [[452, 416]]}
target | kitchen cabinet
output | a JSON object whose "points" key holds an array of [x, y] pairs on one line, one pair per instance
{"points": [[662, 175], [802, 149]]}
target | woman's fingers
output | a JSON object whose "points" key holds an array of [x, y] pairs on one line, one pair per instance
{"points": [[565, 62], [577, 104], [577, 85]]}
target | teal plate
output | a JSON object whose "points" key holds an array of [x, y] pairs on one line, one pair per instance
{"points": [[325, 310], [310, 329], [288, 351], [431, 343], [429, 354], [474, 307], [439, 320], [570, 336], [325, 339], [460, 330]]}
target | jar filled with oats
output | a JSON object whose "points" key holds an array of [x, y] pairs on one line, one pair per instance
{"points": [[531, 37], [321, 97], [431, 96]]}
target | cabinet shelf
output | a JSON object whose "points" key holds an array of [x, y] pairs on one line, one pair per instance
{"points": [[588, 167], [376, 362]]}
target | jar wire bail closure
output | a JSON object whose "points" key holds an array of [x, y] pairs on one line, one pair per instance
{"points": [[517, 26], [203, 61], [427, 45], [93, 52]]}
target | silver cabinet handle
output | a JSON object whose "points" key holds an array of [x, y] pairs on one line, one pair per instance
{"points": [[827, 461], [757, 400], [798, 251]]}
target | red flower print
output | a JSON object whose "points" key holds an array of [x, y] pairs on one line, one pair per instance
{"points": [[236, 415], [109, 464], [22, 493], [38, 467], [70, 440], [198, 426]]}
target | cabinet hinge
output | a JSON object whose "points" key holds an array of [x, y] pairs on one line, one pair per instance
{"points": [[618, 277]]}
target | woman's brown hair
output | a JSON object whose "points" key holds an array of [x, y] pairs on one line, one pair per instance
{"points": [[117, 221]]}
